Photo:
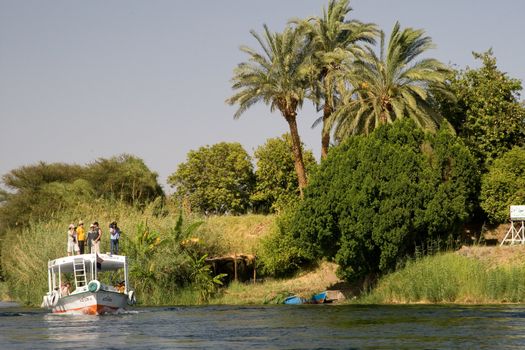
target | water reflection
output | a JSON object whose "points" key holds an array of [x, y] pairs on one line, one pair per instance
{"points": [[87, 330], [66, 328]]}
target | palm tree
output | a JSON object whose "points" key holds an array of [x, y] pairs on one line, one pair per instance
{"points": [[334, 40], [279, 77], [392, 86]]}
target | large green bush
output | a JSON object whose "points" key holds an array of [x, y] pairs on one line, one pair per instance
{"points": [[42, 190], [486, 112], [215, 179], [504, 185], [276, 180], [376, 198]]}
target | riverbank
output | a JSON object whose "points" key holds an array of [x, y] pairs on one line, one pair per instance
{"points": [[479, 274], [273, 291], [471, 275]]}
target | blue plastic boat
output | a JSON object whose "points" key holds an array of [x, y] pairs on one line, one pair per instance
{"points": [[319, 298]]}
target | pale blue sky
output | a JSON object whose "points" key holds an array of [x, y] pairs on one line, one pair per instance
{"points": [[81, 80]]}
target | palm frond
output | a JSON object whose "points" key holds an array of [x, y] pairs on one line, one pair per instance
{"points": [[391, 85]]}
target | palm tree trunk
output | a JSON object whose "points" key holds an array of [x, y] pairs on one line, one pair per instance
{"points": [[325, 134], [297, 152]]}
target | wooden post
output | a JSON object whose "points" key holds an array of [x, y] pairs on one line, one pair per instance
{"points": [[235, 266], [254, 272]]}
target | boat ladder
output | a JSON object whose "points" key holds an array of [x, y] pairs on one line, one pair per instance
{"points": [[79, 268]]}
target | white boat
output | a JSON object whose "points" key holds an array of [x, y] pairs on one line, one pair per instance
{"points": [[90, 295]]}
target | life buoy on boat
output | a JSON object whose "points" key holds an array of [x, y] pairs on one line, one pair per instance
{"points": [[94, 286], [132, 300]]}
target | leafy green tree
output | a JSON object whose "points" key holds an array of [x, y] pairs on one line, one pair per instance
{"points": [[504, 185], [124, 177], [215, 179], [36, 191], [280, 78], [486, 111], [335, 40], [276, 179], [376, 198], [394, 85]]}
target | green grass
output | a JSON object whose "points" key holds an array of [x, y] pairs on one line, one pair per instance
{"points": [[450, 278], [239, 234], [236, 293], [4, 295]]}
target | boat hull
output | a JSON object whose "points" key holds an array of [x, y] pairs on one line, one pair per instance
{"points": [[319, 298], [91, 303]]}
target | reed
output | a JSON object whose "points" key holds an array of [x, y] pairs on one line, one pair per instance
{"points": [[450, 278], [4, 295]]}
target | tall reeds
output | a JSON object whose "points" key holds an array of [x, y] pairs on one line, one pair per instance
{"points": [[451, 278]]}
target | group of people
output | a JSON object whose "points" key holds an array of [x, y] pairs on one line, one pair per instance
{"points": [[76, 238]]}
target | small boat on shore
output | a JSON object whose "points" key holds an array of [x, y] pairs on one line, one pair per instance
{"points": [[319, 298], [90, 295]]}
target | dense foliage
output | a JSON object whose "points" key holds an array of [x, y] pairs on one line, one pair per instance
{"points": [[276, 180], [504, 185], [215, 179], [41, 190], [125, 178], [376, 198], [486, 111]]}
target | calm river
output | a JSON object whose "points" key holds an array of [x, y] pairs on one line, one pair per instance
{"points": [[269, 327]]}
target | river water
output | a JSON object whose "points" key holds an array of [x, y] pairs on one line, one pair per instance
{"points": [[269, 327]]}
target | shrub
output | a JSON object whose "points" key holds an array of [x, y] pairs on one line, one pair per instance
{"points": [[280, 254], [215, 179], [376, 198], [504, 185], [276, 179]]}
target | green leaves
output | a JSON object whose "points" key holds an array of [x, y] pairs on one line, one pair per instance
{"points": [[392, 85], [375, 198], [504, 185], [41, 189], [124, 177], [215, 179], [486, 111], [276, 180]]}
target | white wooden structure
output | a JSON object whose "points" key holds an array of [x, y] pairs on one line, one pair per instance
{"points": [[516, 232]]}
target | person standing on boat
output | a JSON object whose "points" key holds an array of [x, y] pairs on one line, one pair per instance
{"points": [[92, 234], [114, 235], [72, 245], [81, 236], [98, 237]]}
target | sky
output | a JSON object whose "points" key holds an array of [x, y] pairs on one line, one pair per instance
{"points": [[81, 80]]}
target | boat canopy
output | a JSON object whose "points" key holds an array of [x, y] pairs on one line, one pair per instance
{"points": [[104, 262]]}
